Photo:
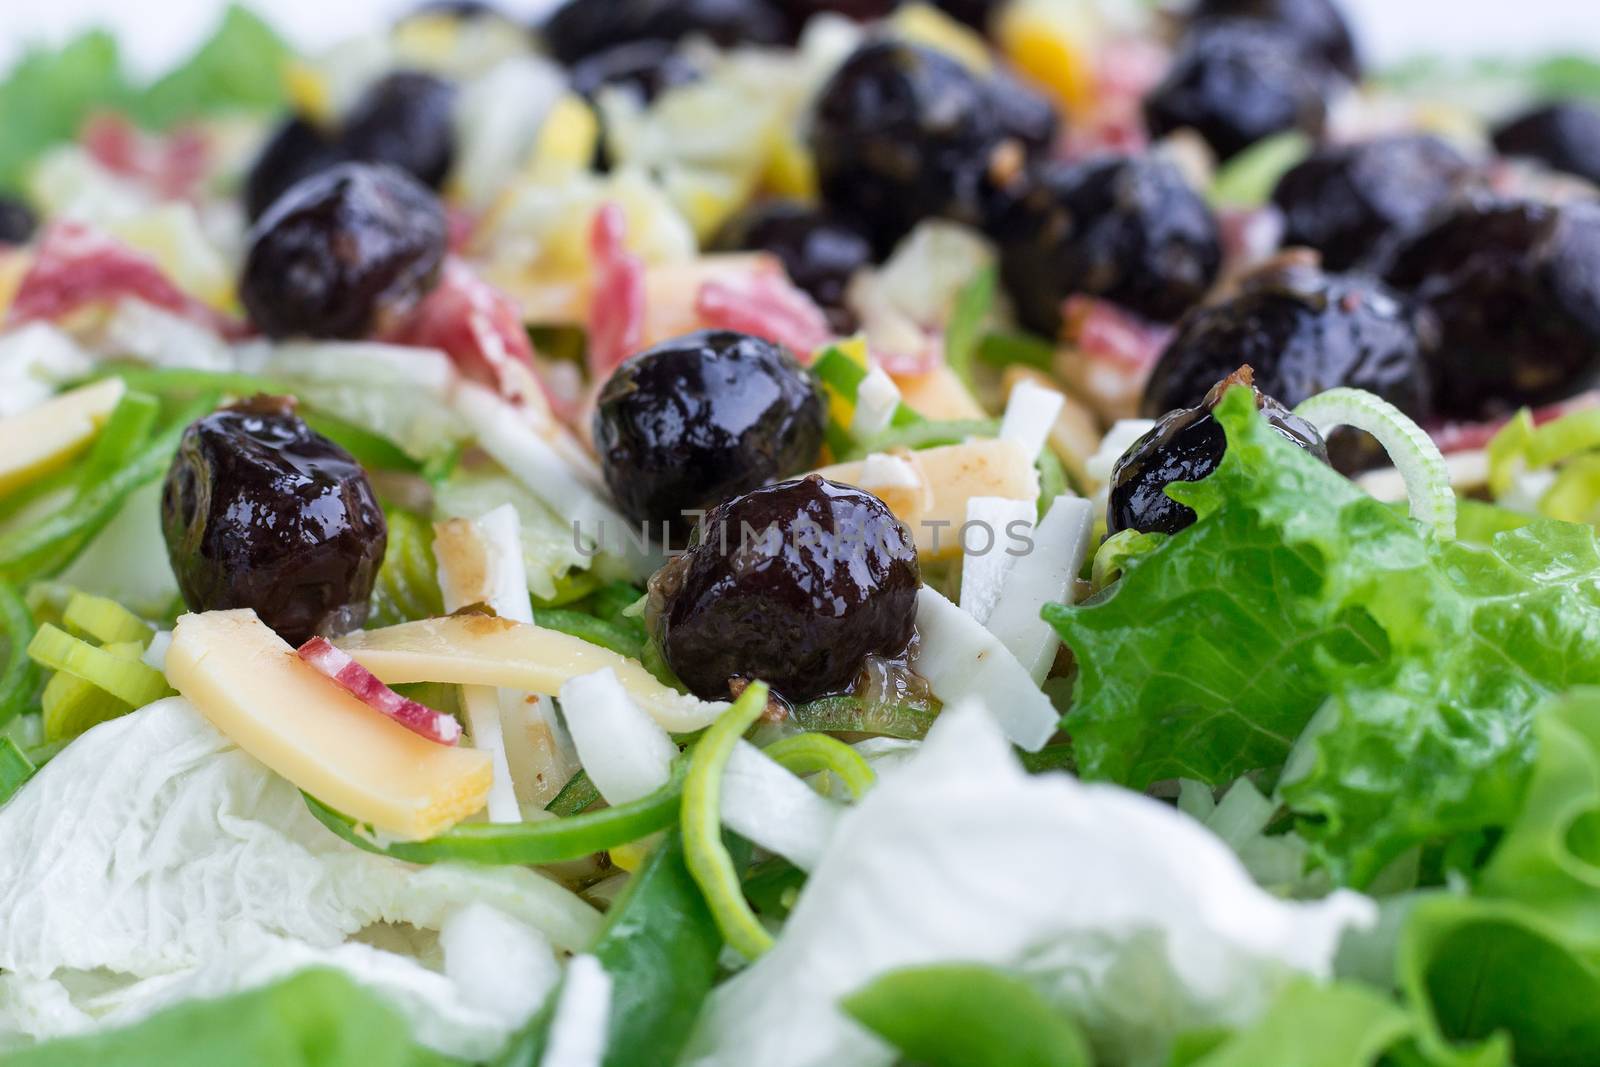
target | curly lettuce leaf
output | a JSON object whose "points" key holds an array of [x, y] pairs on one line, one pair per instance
{"points": [[47, 96], [1296, 592], [1516, 965], [317, 1018]]}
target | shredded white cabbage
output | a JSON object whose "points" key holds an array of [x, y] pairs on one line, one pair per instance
{"points": [[1133, 916]]}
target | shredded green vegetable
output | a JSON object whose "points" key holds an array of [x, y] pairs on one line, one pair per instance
{"points": [[594, 630], [15, 769], [973, 305], [105, 620], [128, 428], [43, 547], [708, 859], [577, 796], [547, 841], [16, 680], [928, 434], [126, 679], [813, 753]]}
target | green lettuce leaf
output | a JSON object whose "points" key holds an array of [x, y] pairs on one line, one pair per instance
{"points": [[1517, 964], [50, 92], [1296, 593], [240, 68], [1309, 1025], [967, 1015], [316, 1018]]}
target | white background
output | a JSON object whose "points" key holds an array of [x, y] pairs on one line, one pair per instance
{"points": [[155, 33]]}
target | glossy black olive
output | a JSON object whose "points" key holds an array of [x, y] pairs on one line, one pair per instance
{"points": [[1515, 289], [296, 150], [794, 584], [1354, 202], [1022, 114], [17, 221], [342, 253], [1186, 445], [459, 9], [1302, 332], [979, 14], [819, 252], [902, 133], [800, 11], [1317, 26], [404, 119], [260, 512], [1236, 81], [695, 420], [1564, 135], [1128, 229], [646, 68], [580, 28]]}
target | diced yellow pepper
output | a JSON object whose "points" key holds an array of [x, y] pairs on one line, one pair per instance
{"points": [[308, 92], [926, 25], [1054, 51], [567, 139]]}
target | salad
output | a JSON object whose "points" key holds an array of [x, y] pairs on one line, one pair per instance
{"points": [[812, 533]]}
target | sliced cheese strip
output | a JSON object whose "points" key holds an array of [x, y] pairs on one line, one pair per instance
{"points": [[764, 803], [1031, 412], [250, 684], [990, 538], [949, 477], [1047, 574], [482, 706], [625, 752], [47, 437], [484, 650], [962, 660]]}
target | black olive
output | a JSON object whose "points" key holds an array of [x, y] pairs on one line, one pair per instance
{"points": [[1564, 135], [343, 252], [1353, 202], [1022, 114], [800, 11], [1317, 26], [1302, 332], [404, 119], [1186, 445], [695, 420], [819, 252], [580, 28], [261, 512], [902, 133], [979, 14], [647, 68], [17, 221], [296, 150], [466, 10], [794, 584], [1128, 229], [1515, 289], [1236, 81]]}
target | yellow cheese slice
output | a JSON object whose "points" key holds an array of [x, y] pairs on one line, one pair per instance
{"points": [[938, 394], [486, 650], [252, 686], [945, 479], [47, 437]]}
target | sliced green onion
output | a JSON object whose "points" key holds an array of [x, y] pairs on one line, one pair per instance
{"points": [[591, 629], [1575, 494], [1247, 180], [72, 706], [926, 434], [1052, 479], [105, 620], [186, 380], [1522, 446], [126, 679], [1112, 557], [708, 859], [1413, 453], [525, 843], [15, 769], [17, 679], [847, 714], [575, 797], [841, 376], [813, 753]]}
